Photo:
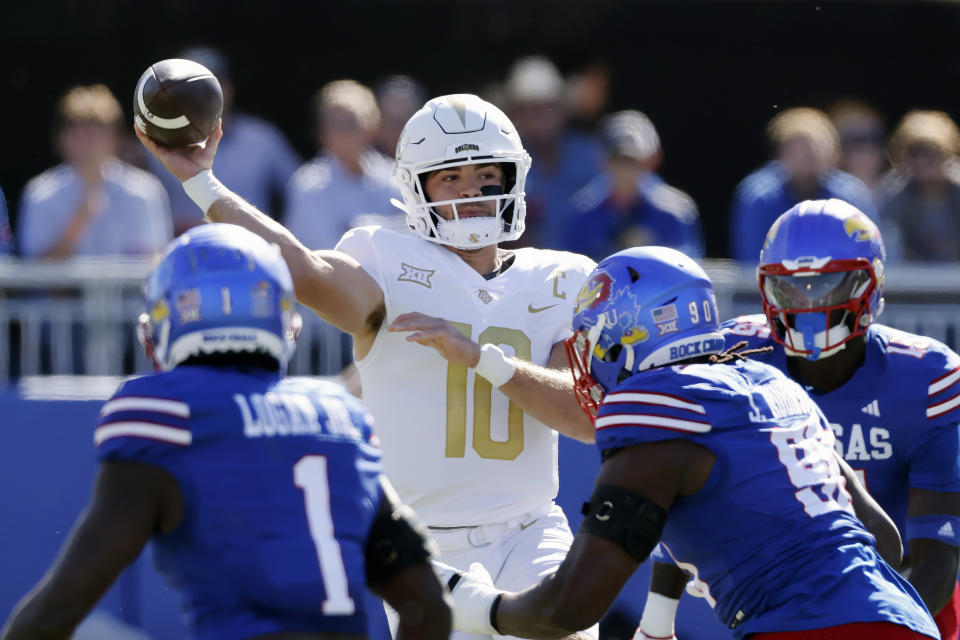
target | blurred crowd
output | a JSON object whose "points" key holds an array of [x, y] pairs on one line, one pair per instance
{"points": [[593, 188]]}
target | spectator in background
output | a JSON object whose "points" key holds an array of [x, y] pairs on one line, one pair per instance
{"points": [[92, 204], [922, 199], [806, 151], [630, 205], [254, 159], [6, 238], [398, 98], [564, 161], [589, 94], [862, 135], [349, 178]]}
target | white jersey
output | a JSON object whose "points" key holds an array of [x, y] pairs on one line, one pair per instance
{"points": [[457, 450]]}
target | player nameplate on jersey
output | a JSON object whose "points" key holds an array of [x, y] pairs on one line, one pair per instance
{"points": [[416, 275]]}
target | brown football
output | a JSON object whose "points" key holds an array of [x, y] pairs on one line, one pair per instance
{"points": [[177, 102]]}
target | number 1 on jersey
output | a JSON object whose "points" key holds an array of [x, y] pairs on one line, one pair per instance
{"points": [[310, 475]]}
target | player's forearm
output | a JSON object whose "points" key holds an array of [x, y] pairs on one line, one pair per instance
{"points": [[547, 395], [874, 518], [31, 620], [233, 209], [543, 612], [306, 268], [933, 576], [933, 589], [426, 621], [422, 604]]}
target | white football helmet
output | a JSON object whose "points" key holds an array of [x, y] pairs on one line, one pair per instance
{"points": [[456, 130]]}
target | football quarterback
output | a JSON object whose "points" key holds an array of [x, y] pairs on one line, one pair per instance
{"points": [[458, 342]]}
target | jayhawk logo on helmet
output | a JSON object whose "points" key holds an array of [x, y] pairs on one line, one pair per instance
{"points": [[635, 335], [594, 291], [859, 227]]}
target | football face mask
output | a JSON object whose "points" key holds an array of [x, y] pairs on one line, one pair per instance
{"points": [[814, 313], [821, 277], [588, 391]]}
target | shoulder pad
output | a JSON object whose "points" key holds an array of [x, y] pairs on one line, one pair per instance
{"points": [[140, 410], [754, 328], [926, 361]]}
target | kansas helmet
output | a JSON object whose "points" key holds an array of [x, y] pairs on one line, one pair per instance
{"points": [[821, 276], [218, 288], [640, 308]]}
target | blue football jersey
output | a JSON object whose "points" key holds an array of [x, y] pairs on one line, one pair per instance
{"points": [[896, 420], [280, 482], [771, 540]]}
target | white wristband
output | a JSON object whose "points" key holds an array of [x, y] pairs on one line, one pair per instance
{"points": [[494, 365], [658, 616], [204, 189]]}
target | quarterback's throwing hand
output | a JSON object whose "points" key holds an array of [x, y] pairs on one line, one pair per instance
{"points": [[185, 162], [473, 596], [439, 334]]}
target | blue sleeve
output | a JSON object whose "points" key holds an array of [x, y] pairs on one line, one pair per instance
{"points": [[659, 554], [943, 392], [752, 328], [633, 416], [138, 425], [935, 460]]}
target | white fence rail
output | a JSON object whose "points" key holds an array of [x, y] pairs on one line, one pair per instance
{"points": [[78, 316]]}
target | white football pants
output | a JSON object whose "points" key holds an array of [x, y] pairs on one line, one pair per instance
{"points": [[517, 554]]}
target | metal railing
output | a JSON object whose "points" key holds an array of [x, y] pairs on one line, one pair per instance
{"points": [[78, 316]]}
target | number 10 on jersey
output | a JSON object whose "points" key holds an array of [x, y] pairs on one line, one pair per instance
{"points": [[456, 434]]}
